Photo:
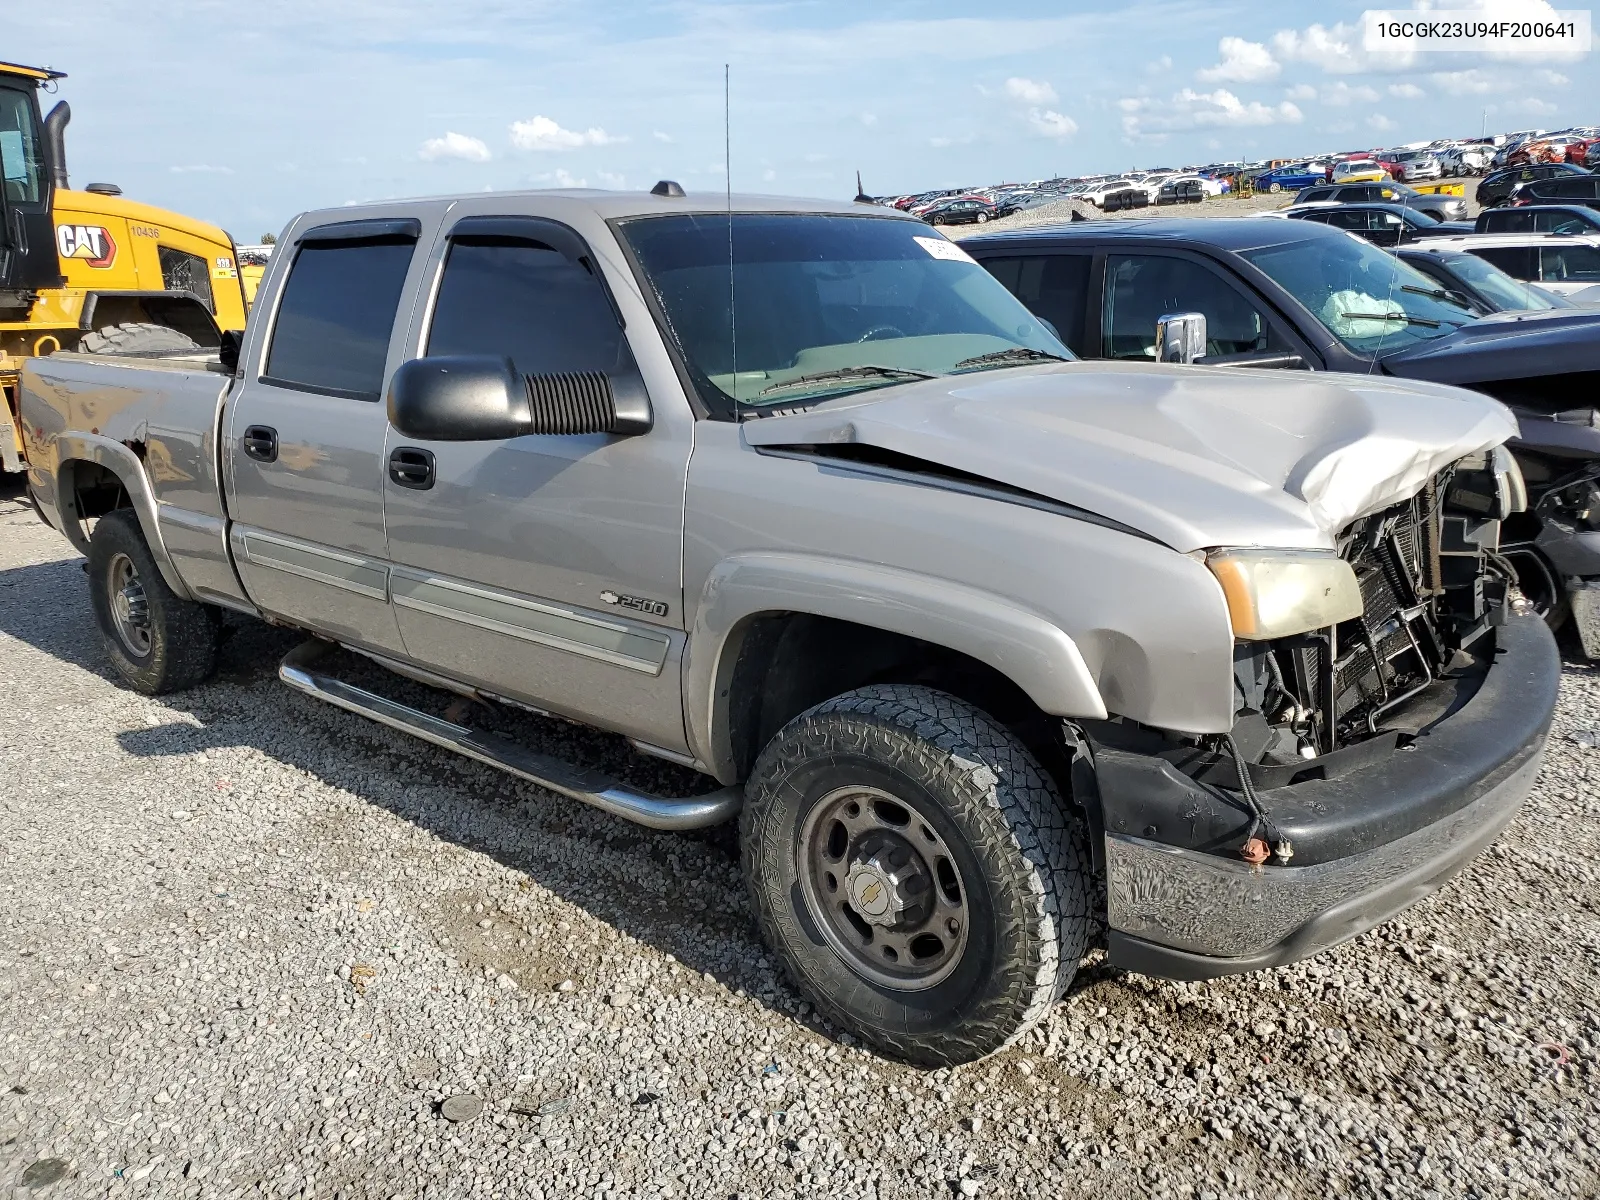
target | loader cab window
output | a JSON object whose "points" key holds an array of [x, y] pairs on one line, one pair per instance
{"points": [[185, 272], [523, 297], [21, 164], [331, 335]]}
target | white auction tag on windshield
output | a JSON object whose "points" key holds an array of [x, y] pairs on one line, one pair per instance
{"points": [[939, 247]]}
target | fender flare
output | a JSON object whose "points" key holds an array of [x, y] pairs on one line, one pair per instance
{"points": [[1026, 647], [73, 448]]}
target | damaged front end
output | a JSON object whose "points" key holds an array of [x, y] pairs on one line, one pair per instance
{"points": [[1369, 760]]}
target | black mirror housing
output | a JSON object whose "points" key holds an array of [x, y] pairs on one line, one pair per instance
{"points": [[460, 398]]}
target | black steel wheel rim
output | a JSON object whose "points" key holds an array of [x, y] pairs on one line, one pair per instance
{"points": [[883, 888]]}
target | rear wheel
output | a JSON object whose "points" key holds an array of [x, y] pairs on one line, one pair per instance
{"points": [[156, 640], [917, 872], [1275, 187], [137, 339]]}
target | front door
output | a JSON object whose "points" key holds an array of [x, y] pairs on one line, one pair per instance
{"points": [[306, 428], [542, 568]]}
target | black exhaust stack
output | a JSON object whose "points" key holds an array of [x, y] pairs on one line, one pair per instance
{"points": [[55, 143]]}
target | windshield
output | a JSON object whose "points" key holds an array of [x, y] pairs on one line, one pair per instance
{"points": [[824, 305], [21, 171], [1368, 299], [1506, 292]]}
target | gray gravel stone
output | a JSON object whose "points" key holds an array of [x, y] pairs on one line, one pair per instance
{"points": [[213, 959]]}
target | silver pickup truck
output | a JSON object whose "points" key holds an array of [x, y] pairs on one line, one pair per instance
{"points": [[995, 655]]}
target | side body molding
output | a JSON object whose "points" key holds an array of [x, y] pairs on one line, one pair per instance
{"points": [[125, 465], [1022, 645]]}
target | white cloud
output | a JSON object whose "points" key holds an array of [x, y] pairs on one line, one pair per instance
{"points": [[1379, 122], [1160, 66], [454, 145], [868, 118], [939, 143], [1051, 123], [1341, 94], [563, 178], [1301, 91], [1189, 109], [1242, 62], [768, 175], [1030, 92], [1533, 106], [662, 137], [541, 133], [1406, 91], [610, 180], [201, 169], [1553, 78], [1471, 82]]}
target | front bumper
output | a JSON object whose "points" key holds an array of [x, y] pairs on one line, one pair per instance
{"points": [[1390, 834]]}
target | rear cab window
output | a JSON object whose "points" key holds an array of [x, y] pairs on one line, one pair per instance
{"points": [[337, 310]]}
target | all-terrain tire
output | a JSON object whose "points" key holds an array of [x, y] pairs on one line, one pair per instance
{"points": [[1021, 852], [138, 340], [182, 636]]}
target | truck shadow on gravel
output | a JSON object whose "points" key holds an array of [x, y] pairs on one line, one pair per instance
{"points": [[681, 893]]}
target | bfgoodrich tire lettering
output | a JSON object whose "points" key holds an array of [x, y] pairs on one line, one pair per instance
{"points": [[167, 643], [1019, 850]]}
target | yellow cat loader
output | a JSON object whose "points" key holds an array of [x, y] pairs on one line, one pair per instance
{"points": [[89, 270]]}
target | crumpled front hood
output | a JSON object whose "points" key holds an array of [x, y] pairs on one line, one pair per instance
{"points": [[1192, 456]]}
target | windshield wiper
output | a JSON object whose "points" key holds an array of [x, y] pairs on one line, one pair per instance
{"points": [[1406, 317], [847, 374], [1435, 294], [1012, 355]]}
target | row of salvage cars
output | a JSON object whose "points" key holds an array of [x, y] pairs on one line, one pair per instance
{"points": [[1266, 293]]}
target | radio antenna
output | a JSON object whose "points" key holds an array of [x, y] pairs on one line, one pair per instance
{"points": [[727, 181]]}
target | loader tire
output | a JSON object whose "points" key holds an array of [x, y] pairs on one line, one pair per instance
{"points": [[135, 339], [157, 641], [917, 872]]}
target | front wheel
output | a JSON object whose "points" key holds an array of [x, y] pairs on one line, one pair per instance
{"points": [[917, 872], [982, 217], [1275, 188], [156, 640]]}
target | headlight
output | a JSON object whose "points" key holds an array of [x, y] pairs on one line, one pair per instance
{"points": [[1273, 593]]}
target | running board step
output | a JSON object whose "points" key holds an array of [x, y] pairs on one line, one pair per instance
{"points": [[592, 787]]}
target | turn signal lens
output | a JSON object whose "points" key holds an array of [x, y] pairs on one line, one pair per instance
{"points": [[1275, 593]]}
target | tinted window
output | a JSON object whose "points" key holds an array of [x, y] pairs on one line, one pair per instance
{"points": [[1565, 222], [1569, 264], [338, 308], [1053, 286], [1507, 221], [524, 299], [1141, 288], [1515, 261], [1314, 193]]}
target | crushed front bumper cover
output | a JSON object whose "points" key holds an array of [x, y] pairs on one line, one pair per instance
{"points": [[1191, 914]]}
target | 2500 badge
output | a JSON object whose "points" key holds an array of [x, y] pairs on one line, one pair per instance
{"points": [[652, 608]]}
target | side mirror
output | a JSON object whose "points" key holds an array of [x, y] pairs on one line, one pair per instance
{"points": [[484, 398], [460, 398], [1181, 337]]}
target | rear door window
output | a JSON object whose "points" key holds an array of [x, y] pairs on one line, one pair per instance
{"points": [[331, 335], [1143, 288], [1509, 220], [1515, 261], [1054, 287]]}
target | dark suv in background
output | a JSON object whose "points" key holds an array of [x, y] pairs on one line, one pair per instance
{"points": [[1496, 188], [1582, 189]]}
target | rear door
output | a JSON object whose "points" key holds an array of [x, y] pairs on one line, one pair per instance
{"points": [[1519, 262], [305, 433], [1570, 268]]}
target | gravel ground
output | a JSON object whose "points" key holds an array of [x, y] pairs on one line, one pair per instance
{"points": [[1219, 206], [253, 946]]}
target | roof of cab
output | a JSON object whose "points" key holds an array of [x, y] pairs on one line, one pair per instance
{"points": [[616, 205], [9, 68]]}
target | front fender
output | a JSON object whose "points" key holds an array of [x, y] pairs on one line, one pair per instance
{"points": [[1026, 647], [73, 448]]}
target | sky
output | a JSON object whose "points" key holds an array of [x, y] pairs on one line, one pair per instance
{"points": [[245, 115]]}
